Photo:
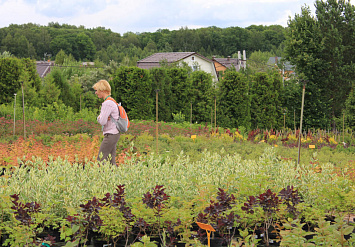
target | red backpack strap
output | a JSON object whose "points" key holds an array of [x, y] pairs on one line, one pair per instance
{"points": [[119, 108]]}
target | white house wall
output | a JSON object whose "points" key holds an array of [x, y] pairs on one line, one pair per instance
{"points": [[203, 65]]}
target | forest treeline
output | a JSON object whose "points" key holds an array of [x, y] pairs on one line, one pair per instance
{"points": [[321, 47], [37, 42]]}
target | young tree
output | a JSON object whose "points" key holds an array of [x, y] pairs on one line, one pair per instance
{"points": [[233, 100], [162, 83], [61, 82], [258, 60], [49, 92], [181, 90], [60, 57], [10, 72], [202, 96], [266, 108], [350, 109], [133, 88]]}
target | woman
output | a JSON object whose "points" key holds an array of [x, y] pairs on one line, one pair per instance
{"points": [[111, 134]]}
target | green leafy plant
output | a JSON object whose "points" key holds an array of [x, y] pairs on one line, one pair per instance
{"points": [[179, 117], [145, 242], [5, 213], [293, 234], [333, 233], [118, 219], [113, 225], [246, 239]]}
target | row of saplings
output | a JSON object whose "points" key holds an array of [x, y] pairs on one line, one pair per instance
{"points": [[110, 222]]}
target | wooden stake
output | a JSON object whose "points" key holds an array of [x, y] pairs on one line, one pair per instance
{"points": [[215, 113], [23, 110], [343, 127], [211, 118], [14, 115], [294, 119], [156, 130], [299, 137], [191, 116]]}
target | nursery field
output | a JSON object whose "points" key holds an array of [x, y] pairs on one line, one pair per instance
{"points": [[246, 185]]}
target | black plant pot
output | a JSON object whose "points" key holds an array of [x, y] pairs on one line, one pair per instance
{"points": [[214, 242], [89, 238], [50, 232], [58, 244], [180, 245], [157, 240], [3, 238], [272, 243], [99, 242]]}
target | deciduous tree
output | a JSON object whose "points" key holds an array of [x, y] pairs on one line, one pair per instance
{"points": [[322, 48]]}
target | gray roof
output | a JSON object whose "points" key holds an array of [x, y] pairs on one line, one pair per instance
{"points": [[276, 60], [43, 68], [228, 62], [170, 57]]}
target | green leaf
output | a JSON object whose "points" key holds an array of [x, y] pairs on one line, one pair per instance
{"points": [[348, 230]]}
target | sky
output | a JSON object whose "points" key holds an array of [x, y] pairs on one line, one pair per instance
{"points": [[138, 16]]}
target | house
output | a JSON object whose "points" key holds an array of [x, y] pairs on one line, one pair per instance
{"points": [[287, 69], [44, 67], [192, 59], [221, 64]]}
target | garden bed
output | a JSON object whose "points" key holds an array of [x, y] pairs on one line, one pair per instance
{"points": [[69, 194]]}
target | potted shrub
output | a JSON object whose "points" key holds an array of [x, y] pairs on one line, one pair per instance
{"points": [[270, 203], [26, 223], [118, 219], [4, 217], [221, 217], [77, 229], [157, 202]]}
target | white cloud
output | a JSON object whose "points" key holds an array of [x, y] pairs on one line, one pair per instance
{"points": [[18, 12], [149, 15]]}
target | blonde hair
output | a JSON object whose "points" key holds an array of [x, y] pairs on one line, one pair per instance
{"points": [[103, 86]]}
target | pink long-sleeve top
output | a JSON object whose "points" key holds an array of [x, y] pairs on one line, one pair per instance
{"points": [[108, 108]]}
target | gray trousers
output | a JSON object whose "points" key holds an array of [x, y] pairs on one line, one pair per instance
{"points": [[108, 148]]}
